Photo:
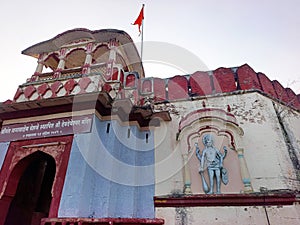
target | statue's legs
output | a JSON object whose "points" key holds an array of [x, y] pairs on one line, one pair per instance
{"points": [[211, 181], [218, 179]]}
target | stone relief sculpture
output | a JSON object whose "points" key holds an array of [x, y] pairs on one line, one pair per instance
{"points": [[212, 159]]}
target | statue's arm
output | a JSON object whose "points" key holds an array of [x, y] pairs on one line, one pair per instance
{"points": [[198, 153], [225, 152]]}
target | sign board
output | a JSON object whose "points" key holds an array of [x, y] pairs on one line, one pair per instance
{"points": [[46, 128]]}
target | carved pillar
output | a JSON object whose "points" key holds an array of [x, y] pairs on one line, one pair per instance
{"points": [[61, 64], [186, 177], [244, 171], [111, 59], [112, 46], [86, 69], [186, 173], [185, 150], [39, 68]]}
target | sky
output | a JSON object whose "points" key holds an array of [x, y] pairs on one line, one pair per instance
{"points": [[265, 34]]}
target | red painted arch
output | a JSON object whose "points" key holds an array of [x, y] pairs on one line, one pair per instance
{"points": [[20, 155]]}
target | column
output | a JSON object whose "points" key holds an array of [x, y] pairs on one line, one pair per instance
{"points": [[39, 69], [244, 171], [86, 69], [111, 59], [187, 176], [61, 64]]}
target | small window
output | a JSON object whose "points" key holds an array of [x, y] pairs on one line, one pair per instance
{"points": [[128, 133], [130, 80], [107, 128]]}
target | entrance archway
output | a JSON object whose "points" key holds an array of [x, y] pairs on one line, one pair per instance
{"points": [[32, 199]]}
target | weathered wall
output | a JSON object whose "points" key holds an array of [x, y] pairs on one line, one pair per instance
{"points": [[230, 215], [265, 148], [289, 126], [110, 173]]}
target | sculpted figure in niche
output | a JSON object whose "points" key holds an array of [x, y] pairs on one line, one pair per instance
{"points": [[212, 159]]}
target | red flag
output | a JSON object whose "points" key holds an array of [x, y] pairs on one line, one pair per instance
{"points": [[139, 19]]}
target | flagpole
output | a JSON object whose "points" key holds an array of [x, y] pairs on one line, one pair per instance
{"points": [[140, 22], [142, 37]]}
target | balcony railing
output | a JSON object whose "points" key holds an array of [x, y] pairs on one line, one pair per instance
{"points": [[99, 68]]}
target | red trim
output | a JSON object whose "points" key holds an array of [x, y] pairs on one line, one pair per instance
{"points": [[104, 221], [43, 88], [12, 170], [18, 93], [70, 85], [185, 121], [203, 200]]}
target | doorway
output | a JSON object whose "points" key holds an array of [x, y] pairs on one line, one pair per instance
{"points": [[32, 199]]}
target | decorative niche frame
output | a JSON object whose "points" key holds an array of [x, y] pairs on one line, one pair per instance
{"points": [[224, 127]]}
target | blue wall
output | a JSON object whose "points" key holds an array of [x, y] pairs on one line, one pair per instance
{"points": [[3, 150], [110, 173]]}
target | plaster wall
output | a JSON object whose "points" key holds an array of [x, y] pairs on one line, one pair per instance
{"points": [[230, 215], [265, 149], [168, 160], [110, 173], [290, 129], [291, 121]]}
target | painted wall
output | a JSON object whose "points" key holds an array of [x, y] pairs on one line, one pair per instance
{"points": [[3, 149], [291, 132], [230, 215], [265, 148], [110, 173]]}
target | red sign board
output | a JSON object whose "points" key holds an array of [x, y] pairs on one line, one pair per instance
{"points": [[46, 128]]}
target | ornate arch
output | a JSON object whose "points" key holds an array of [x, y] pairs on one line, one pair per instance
{"points": [[19, 156], [228, 132]]}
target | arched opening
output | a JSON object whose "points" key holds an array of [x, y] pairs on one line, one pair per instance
{"points": [[75, 59], [52, 62], [101, 54], [33, 176]]}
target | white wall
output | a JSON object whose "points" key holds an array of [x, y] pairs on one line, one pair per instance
{"points": [[265, 150], [230, 215]]}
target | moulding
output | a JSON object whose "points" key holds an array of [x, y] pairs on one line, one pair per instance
{"points": [[283, 197]]}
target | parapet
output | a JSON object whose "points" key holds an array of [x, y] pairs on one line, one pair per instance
{"points": [[143, 91], [83, 61]]}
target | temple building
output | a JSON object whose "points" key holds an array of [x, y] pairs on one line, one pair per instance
{"points": [[89, 139]]}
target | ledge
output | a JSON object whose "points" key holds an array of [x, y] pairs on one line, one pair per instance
{"points": [[253, 199], [104, 221], [100, 101]]}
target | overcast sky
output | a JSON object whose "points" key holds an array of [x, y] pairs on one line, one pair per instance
{"points": [[262, 33]]}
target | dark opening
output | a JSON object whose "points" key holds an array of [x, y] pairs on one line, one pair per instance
{"points": [[107, 128], [128, 133], [33, 195]]}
